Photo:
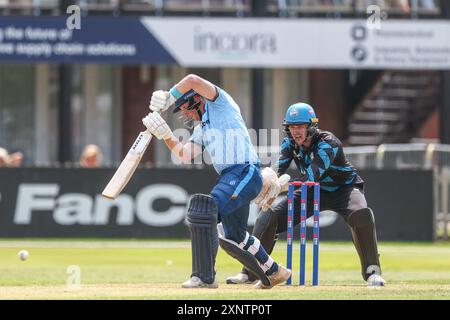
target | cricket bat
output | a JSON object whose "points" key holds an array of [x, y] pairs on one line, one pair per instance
{"points": [[126, 169]]}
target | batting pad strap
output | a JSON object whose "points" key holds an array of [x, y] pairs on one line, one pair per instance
{"points": [[268, 264], [254, 247], [244, 242]]}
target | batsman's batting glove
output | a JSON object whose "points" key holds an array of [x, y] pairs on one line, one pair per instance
{"points": [[161, 101], [157, 126]]}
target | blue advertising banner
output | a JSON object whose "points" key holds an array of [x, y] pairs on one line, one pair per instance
{"points": [[100, 40]]}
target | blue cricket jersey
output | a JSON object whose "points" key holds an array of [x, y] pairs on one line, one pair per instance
{"points": [[223, 133]]}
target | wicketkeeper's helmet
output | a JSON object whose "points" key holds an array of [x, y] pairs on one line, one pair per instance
{"points": [[300, 113]]}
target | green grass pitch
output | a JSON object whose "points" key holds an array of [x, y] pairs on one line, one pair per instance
{"points": [[155, 269]]}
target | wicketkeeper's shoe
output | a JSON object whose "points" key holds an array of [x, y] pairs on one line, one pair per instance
{"points": [[375, 280], [276, 278], [196, 282], [240, 278]]}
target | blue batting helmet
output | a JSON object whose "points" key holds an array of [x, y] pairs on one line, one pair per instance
{"points": [[191, 96], [300, 113]]}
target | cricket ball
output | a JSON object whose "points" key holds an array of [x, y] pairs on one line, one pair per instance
{"points": [[23, 255]]}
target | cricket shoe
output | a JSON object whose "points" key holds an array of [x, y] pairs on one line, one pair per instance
{"points": [[240, 278], [196, 282], [375, 280], [275, 278]]}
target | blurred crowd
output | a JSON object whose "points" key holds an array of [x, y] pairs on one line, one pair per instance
{"points": [[91, 157]]}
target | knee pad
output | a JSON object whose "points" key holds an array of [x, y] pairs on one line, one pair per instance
{"points": [[202, 209], [201, 219], [361, 218]]}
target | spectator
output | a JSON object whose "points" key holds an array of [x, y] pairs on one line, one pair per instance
{"points": [[4, 158], [413, 6], [403, 5], [91, 156], [15, 159]]}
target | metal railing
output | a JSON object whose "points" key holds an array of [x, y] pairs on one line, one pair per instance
{"points": [[281, 8], [240, 7], [420, 156]]}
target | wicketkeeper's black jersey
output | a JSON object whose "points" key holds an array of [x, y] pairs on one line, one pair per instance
{"points": [[324, 161]]}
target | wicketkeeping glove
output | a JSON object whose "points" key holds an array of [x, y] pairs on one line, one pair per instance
{"points": [[275, 188], [268, 178]]}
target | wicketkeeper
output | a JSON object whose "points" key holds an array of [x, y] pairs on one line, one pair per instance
{"points": [[222, 133], [319, 157]]}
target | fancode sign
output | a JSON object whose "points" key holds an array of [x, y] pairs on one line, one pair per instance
{"points": [[37, 202]]}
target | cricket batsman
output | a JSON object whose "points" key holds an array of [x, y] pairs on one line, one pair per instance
{"points": [[319, 157], [214, 219]]}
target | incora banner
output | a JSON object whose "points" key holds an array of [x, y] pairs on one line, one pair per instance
{"points": [[229, 42]]}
